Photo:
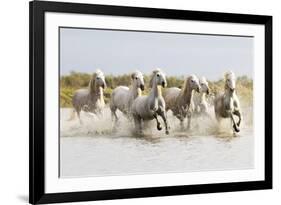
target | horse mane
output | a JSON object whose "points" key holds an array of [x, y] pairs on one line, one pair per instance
{"points": [[153, 75], [92, 84], [185, 86]]}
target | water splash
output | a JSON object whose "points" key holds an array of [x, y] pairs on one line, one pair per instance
{"points": [[96, 149], [94, 126]]}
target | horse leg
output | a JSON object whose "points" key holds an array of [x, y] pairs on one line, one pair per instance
{"points": [[197, 120], [181, 123], [197, 115], [238, 114], [138, 126], [113, 113], [218, 118], [113, 109], [181, 119], [188, 120], [78, 114], [235, 127], [114, 118], [77, 109], [159, 127], [163, 114]]}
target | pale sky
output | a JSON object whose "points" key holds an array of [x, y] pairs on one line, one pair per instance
{"points": [[121, 52]]}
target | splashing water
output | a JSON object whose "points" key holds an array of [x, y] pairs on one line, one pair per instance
{"points": [[95, 148]]}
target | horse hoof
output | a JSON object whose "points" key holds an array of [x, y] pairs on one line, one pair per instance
{"points": [[167, 132], [236, 129], [159, 127]]}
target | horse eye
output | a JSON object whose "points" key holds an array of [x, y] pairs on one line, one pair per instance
{"points": [[158, 75], [136, 78]]}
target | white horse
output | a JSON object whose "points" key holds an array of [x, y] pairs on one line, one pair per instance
{"points": [[146, 108], [90, 99], [122, 97], [199, 99], [180, 102], [227, 104]]}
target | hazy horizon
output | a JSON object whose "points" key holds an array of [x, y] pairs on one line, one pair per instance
{"points": [[122, 52]]}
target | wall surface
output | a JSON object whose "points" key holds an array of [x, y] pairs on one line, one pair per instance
{"points": [[14, 100]]}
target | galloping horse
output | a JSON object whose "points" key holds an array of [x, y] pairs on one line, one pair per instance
{"points": [[199, 99], [180, 102], [122, 97], [149, 107], [90, 99], [227, 104]]}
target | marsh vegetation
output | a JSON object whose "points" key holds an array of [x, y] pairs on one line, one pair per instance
{"points": [[75, 80]]}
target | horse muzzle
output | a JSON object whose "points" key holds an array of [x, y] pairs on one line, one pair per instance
{"points": [[232, 89], [164, 84], [142, 87], [208, 92]]}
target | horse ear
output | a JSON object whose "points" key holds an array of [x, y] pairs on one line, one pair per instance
{"points": [[133, 76]]}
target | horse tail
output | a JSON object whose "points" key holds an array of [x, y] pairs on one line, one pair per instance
{"points": [[73, 101]]}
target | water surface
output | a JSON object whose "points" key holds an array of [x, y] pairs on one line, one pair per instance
{"points": [[93, 149]]}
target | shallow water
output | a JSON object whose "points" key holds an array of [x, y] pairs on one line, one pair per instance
{"points": [[93, 149]]}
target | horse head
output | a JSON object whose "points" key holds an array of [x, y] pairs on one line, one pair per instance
{"points": [[97, 81], [137, 79], [193, 83], [229, 78], [159, 78], [204, 85]]}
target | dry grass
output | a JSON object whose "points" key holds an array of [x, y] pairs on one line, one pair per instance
{"points": [[74, 81]]}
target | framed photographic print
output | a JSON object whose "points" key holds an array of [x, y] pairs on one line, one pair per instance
{"points": [[141, 102]]}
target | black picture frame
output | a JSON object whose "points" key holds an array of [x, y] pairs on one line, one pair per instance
{"points": [[37, 9]]}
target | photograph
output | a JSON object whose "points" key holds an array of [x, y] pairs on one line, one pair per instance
{"points": [[132, 102], [136, 102]]}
